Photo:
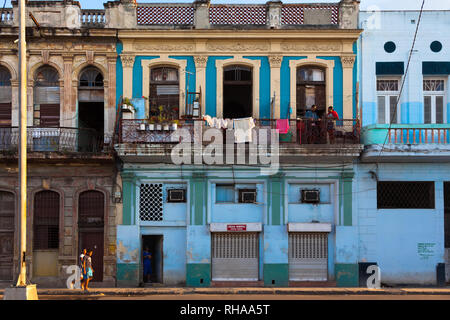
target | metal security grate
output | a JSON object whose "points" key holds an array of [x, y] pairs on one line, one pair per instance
{"points": [[405, 195], [151, 202], [235, 245], [308, 245], [91, 209], [46, 220]]}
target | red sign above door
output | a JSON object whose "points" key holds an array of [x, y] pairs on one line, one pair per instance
{"points": [[236, 227]]}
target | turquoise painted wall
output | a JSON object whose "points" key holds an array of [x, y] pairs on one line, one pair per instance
{"points": [[338, 85], [285, 86], [138, 74], [211, 84], [119, 72], [264, 87]]}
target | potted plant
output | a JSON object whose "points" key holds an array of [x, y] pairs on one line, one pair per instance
{"points": [[166, 126], [151, 123]]}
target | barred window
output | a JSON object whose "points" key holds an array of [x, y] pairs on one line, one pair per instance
{"points": [[405, 195], [151, 202], [46, 220], [387, 85]]}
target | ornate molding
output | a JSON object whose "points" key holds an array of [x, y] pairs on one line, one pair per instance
{"points": [[348, 61], [237, 46], [127, 60], [163, 47], [90, 56], [275, 61], [310, 47], [200, 61]]}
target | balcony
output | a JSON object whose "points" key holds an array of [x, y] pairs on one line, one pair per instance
{"points": [[406, 142], [58, 140], [7, 17], [304, 138]]}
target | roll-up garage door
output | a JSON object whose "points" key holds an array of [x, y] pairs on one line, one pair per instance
{"points": [[308, 256], [235, 256]]}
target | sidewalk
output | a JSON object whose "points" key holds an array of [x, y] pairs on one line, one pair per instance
{"points": [[253, 291]]}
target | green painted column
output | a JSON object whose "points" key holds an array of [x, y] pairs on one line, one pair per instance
{"points": [[347, 180], [129, 197], [199, 198], [276, 192]]}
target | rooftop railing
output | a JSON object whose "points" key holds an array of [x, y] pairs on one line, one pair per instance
{"points": [[93, 18], [6, 16]]}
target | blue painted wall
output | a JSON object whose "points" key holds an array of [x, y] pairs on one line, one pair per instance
{"points": [[285, 86], [211, 84], [393, 237], [264, 87], [137, 74], [119, 73]]}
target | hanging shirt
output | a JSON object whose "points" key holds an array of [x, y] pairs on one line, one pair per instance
{"points": [[243, 130]]}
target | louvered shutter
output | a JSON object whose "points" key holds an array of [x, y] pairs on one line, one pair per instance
{"points": [[381, 109], [427, 109]]}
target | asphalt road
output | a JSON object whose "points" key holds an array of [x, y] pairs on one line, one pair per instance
{"points": [[247, 297]]}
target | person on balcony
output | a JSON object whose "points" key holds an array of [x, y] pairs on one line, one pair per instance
{"points": [[312, 125], [332, 116]]}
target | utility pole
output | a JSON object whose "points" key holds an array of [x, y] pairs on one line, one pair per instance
{"points": [[22, 291]]}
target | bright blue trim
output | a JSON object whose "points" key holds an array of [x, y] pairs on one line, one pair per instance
{"points": [[285, 86], [338, 87], [119, 73], [355, 78], [137, 75], [211, 84], [264, 87]]}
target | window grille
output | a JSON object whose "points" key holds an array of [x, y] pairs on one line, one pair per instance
{"points": [[387, 85], [91, 209], [5, 77], [151, 202], [91, 77], [433, 85], [405, 195], [46, 220]]}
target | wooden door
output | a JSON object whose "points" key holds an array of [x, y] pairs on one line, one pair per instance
{"points": [[7, 208], [93, 240]]}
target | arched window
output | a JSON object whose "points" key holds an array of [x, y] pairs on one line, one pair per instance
{"points": [[164, 92], [46, 97], [46, 220], [310, 89], [91, 77], [7, 210], [237, 91], [5, 97], [91, 211]]}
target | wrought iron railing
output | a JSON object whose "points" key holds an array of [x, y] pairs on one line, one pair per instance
{"points": [[299, 131], [58, 139]]}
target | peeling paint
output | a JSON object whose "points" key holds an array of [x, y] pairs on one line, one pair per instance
{"points": [[125, 255]]}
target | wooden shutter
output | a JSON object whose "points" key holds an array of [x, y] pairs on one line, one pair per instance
{"points": [[301, 102], [49, 115], [5, 114], [320, 97], [427, 109], [381, 109]]}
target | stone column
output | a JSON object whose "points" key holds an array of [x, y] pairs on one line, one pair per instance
{"points": [[68, 109], [275, 73], [127, 63], [200, 74], [110, 103], [347, 73], [201, 14]]}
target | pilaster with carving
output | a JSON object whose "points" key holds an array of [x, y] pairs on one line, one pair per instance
{"points": [[348, 61], [127, 60]]}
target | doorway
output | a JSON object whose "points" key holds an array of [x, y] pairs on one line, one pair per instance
{"points": [[154, 243], [310, 90], [447, 229], [7, 210], [237, 92]]}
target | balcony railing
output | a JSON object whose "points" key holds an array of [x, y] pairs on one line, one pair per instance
{"points": [[93, 18], [414, 134], [58, 139], [300, 132]]}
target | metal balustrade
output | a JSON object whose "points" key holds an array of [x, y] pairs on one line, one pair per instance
{"points": [[58, 139]]}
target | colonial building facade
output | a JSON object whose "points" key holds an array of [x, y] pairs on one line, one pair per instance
{"points": [[71, 106], [402, 181], [211, 224]]}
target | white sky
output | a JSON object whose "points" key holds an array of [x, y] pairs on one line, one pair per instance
{"points": [[382, 4]]}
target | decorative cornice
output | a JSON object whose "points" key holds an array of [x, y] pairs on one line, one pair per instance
{"points": [[200, 61], [163, 47], [310, 47], [237, 46], [275, 61], [348, 61], [127, 60]]}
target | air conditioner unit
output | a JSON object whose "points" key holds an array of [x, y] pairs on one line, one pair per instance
{"points": [[310, 196], [176, 195], [247, 195]]}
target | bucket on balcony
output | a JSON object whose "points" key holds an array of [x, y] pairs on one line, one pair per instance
{"points": [[286, 137]]}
